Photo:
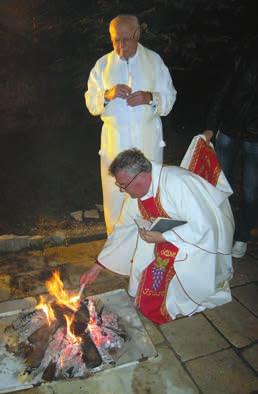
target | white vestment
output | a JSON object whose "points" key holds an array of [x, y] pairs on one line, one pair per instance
{"points": [[203, 264], [124, 126]]}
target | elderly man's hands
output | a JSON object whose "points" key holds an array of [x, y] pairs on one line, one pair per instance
{"points": [[139, 98], [120, 90], [90, 276], [125, 92], [151, 236]]}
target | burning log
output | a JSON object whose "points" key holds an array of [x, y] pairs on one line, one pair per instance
{"points": [[33, 351], [64, 337], [90, 354], [49, 373], [80, 320]]}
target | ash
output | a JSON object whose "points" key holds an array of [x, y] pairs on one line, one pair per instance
{"points": [[43, 352]]}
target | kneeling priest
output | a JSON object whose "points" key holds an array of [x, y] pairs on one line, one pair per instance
{"points": [[183, 270]]}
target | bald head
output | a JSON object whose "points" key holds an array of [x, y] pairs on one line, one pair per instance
{"points": [[125, 33], [130, 20]]}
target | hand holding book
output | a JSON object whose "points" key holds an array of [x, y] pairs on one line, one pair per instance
{"points": [[160, 224]]}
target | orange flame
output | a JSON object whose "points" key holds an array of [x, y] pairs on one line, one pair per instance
{"points": [[46, 307], [69, 333], [56, 288]]}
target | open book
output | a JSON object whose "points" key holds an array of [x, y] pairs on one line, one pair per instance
{"points": [[159, 224]]}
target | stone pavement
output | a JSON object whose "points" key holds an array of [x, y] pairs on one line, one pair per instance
{"points": [[212, 352]]}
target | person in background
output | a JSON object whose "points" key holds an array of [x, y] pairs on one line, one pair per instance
{"points": [[181, 271], [233, 117], [130, 88]]}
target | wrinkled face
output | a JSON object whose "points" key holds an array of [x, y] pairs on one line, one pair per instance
{"points": [[136, 185], [124, 39]]}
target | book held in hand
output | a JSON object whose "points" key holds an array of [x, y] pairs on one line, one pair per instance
{"points": [[160, 224]]}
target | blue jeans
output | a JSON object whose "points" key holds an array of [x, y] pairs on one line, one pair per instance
{"points": [[230, 151]]}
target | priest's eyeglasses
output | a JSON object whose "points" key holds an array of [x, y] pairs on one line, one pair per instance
{"points": [[124, 187]]}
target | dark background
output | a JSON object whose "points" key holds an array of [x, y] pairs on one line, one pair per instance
{"points": [[48, 141]]}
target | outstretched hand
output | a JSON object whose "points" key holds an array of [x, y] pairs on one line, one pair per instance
{"points": [[151, 236], [91, 275]]}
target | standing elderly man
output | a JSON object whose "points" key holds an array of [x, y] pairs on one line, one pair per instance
{"points": [[130, 88], [180, 271]]}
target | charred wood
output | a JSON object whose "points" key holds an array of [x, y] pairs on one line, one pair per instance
{"points": [[80, 320], [49, 373], [90, 356], [38, 342]]}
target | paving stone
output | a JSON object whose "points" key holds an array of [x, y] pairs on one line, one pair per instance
{"points": [[153, 331], [184, 337], [148, 377], [12, 242], [85, 214], [248, 296], [58, 238], [251, 356], [245, 271], [224, 373], [5, 290], [164, 374], [36, 241], [13, 307], [91, 214], [77, 215], [235, 322]]}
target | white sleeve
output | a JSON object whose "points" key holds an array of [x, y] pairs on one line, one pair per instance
{"points": [[121, 244], [94, 96], [194, 205], [164, 95]]}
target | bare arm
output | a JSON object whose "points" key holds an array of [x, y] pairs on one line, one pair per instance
{"points": [[91, 275]]}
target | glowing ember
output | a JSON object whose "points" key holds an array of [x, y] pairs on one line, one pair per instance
{"points": [[65, 336]]}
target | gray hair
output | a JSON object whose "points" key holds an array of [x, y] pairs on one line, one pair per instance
{"points": [[131, 160], [124, 18]]}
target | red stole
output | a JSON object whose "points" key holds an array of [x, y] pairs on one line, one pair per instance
{"points": [[155, 279], [204, 162]]}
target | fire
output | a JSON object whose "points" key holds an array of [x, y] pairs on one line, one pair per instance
{"points": [[56, 288], [46, 307], [77, 340], [69, 333]]}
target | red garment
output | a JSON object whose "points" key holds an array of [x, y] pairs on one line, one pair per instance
{"points": [[204, 162], [152, 289]]}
